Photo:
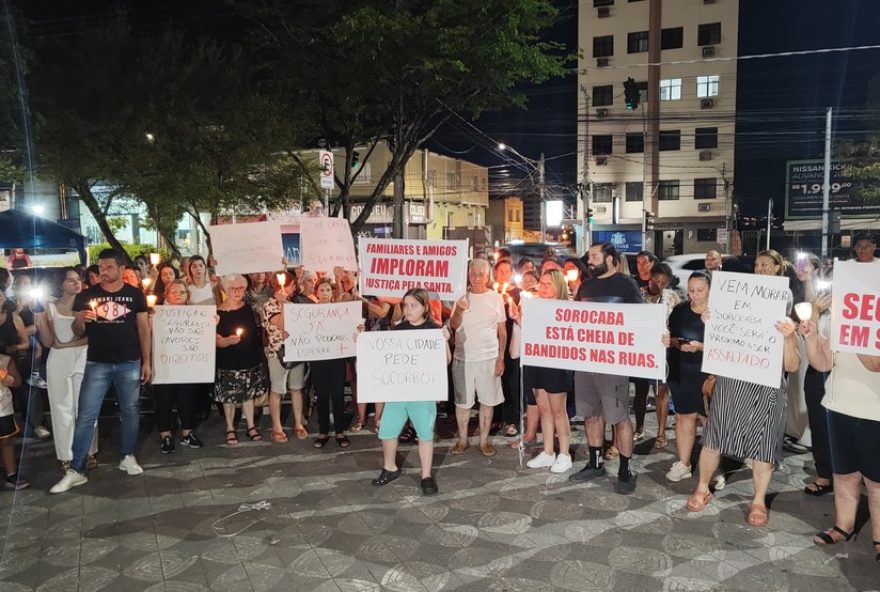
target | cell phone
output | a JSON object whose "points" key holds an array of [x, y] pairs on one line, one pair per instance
{"points": [[802, 262], [683, 340]]}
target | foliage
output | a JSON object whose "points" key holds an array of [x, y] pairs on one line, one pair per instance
{"points": [[863, 165], [132, 250]]}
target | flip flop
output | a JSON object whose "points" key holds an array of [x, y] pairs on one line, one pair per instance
{"points": [[817, 489], [279, 437], [301, 432], [698, 501], [758, 515]]}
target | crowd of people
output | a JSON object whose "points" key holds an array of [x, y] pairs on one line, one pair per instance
{"points": [[96, 328]]}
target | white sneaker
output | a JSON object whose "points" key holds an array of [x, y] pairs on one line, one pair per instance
{"points": [[542, 461], [678, 472], [130, 465], [562, 464], [71, 479], [41, 432], [718, 481]]}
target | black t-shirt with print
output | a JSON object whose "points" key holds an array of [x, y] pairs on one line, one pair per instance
{"points": [[617, 288], [113, 336]]}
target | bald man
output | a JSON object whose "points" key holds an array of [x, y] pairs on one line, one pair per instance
{"points": [[713, 260]]}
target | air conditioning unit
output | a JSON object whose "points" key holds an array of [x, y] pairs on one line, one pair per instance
{"points": [[709, 51], [704, 207], [601, 62], [601, 209], [601, 160], [708, 1], [705, 155], [706, 103], [601, 113], [604, 12]]}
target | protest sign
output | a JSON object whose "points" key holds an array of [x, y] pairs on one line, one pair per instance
{"points": [[321, 331], [246, 248], [390, 267], [855, 308], [401, 366], [183, 344], [741, 340], [326, 243], [606, 338], [290, 244]]}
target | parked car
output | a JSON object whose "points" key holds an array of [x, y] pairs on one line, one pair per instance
{"points": [[684, 265], [536, 251]]}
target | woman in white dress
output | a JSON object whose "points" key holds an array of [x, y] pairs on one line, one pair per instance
{"points": [[65, 366]]}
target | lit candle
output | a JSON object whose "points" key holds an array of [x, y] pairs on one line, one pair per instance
{"points": [[281, 277], [496, 286], [146, 283], [804, 310], [526, 294], [151, 300], [505, 287], [93, 304], [155, 258], [239, 332], [572, 275]]}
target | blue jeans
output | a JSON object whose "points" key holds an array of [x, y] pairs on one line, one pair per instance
{"points": [[126, 377]]}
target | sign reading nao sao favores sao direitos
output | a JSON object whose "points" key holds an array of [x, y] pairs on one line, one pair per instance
{"points": [[606, 338], [390, 267], [401, 366], [184, 345], [855, 310]]}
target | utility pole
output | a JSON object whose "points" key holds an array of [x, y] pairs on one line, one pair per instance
{"points": [[541, 199], [586, 187], [769, 221], [826, 185]]}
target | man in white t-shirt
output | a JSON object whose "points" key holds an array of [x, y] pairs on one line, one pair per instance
{"points": [[478, 320]]}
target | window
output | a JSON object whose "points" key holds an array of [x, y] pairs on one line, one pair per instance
{"points": [[601, 145], [451, 181], [707, 86], [635, 143], [705, 137], [602, 193], [637, 42], [634, 191], [475, 183], [517, 216], [705, 188], [667, 190], [670, 140], [643, 89], [603, 47], [510, 215], [603, 95], [603, 3], [707, 235], [672, 38], [670, 90], [709, 34]]}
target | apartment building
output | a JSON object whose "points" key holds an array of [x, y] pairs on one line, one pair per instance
{"points": [[664, 168]]}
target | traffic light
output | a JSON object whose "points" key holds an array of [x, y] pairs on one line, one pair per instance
{"points": [[631, 94], [649, 219], [589, 214], [355, 160]]}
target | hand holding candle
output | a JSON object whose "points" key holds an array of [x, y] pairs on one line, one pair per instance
{"points": [[281, 276], [146, 282], [155, 258], [804, 311], [151, 300]]}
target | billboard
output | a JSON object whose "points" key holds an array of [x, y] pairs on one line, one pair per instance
{"points": [[625, 241], [803, 191]]}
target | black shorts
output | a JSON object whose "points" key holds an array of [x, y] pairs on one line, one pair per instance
{"points": [[8, 427], [552, 380], [854, 445], [687, 389]]}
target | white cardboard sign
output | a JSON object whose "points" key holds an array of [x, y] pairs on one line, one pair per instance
{"points": [[321, 331], [390, 267], [326, 243], [184, 347], [250, 247], [855, 308], [401, 366]]}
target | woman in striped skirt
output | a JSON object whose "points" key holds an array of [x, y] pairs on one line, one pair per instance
{"points": [[747, 420]]}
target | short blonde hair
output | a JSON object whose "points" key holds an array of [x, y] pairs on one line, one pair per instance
{"points": [[232, 278]]}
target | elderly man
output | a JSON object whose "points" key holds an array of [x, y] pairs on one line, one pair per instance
{"points": [[478, 320], [713, 261], [864, 248]]}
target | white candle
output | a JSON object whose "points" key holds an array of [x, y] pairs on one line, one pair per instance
{"points": [[281, 277], [804, 310], [572, 275], [155, 258], [146, 283], [93, 304], [151, 300]]}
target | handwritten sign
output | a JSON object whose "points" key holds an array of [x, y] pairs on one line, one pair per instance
{"points": [[321, 331], [401, 366], [855, 308], [183, 344], [390, 267], [606, 338], [741, 340], [326, 243], [246, 248]]}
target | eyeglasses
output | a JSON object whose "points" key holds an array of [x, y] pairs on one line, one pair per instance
{"points": [[235, 289]]}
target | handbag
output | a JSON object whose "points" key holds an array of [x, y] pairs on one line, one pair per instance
{"points": [[709, 386]]}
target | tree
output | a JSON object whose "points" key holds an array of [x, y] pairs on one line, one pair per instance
{"points": [[863, 165], [394, 70]]}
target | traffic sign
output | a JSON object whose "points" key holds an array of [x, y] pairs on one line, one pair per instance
{"points": [[325, 162]]}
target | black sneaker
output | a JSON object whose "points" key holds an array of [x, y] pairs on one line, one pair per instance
{"points": [[16, 482], [167, 445], [191, 440], [626, 484], [386, 477], [588, 473], [429, 486]]}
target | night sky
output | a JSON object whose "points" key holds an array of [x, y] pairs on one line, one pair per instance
{"points": [[781, 101]]}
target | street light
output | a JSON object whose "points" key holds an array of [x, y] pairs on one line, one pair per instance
{"points": [[38, 209]]}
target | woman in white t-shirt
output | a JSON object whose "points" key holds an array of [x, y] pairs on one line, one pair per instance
{"points": [[852, 399]]}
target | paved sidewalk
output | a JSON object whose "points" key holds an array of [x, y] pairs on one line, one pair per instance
{"points": [[316, 523]]}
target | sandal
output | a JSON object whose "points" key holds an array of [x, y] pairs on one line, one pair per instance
{"points": [[407, 435], [757, 516], [817, 489], [231, 440], [698, 501], [357, 426], [301, 432], [254, 434], [320, 441], [661, 442], [825, 538], [343, 441], [279, 437], [511, 431]]}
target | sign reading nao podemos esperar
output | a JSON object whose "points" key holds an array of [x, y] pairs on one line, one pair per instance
{"points": [[741, 338], [606, 338], [401, 366], [390, 267]]}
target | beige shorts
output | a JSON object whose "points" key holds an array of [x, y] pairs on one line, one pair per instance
{"points": [[282, 380], [476, 378]]}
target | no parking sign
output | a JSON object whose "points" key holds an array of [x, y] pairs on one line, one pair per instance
{"points": [[325, 161]]}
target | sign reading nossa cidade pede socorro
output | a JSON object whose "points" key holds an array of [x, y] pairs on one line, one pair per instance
{"points": [[390, 267]]}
